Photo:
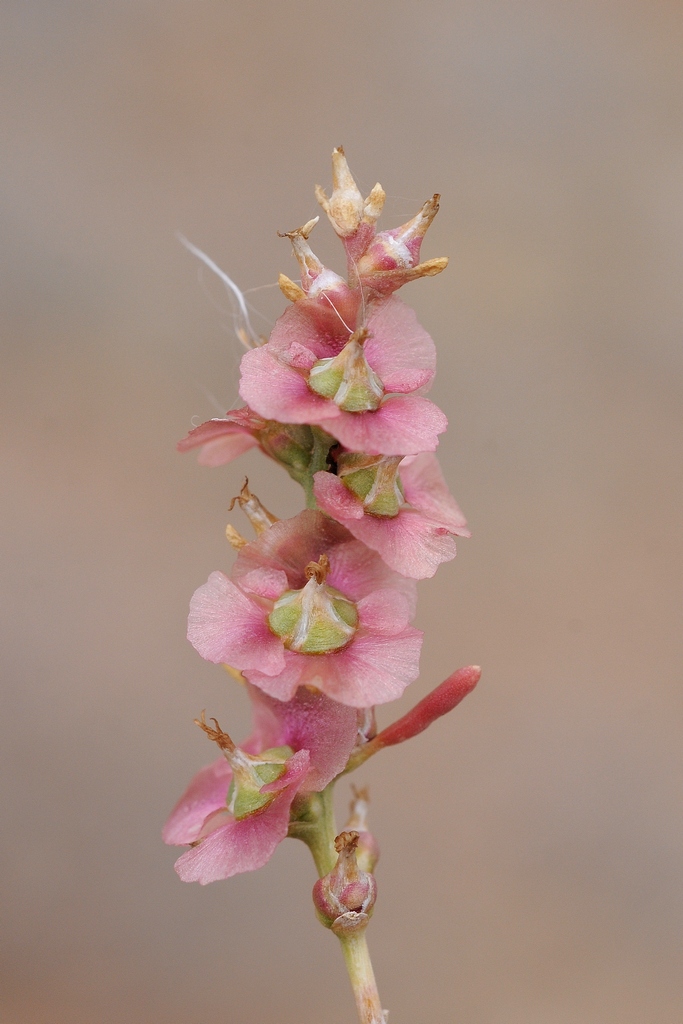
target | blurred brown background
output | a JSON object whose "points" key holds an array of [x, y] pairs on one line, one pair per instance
{"points": [[531, 868]]}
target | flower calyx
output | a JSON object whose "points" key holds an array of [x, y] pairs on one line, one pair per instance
{"points": [[348, 379], [374, 480], [317, 619], [250, 773], [344, 899]]}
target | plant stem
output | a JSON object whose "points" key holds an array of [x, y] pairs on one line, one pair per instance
{"points": [[319, 835], [357, 957]]}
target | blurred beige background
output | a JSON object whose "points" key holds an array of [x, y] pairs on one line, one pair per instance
{"points": [[531, 869]]}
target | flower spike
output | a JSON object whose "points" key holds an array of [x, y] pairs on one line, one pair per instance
{"points": [[315, 617]]}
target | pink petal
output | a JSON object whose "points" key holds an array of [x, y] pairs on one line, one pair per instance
{"points": [[334, 498], [206, 793], [372, 669], [279, 392], [405, 381], [300, 357], [357, 571], [316, 324], [403, 425], [410, 543], [426, 489], [221, 441], [264, 582], [398, 347], [284, 685], [310, 721], [290, 545], [247, 844], [224, 625], [384, 612]]}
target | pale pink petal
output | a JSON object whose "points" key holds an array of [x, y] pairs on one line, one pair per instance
{"points": [[284, 685], [398, 345], [265, 582], [221, 441], [410, 542], [310, 721], [279, 392], [206, 793], [290, 545], [426, 489], [225, 625], [247, 844], [300, 357], [316, 324], [384, 612], [224, 449], [403, 425], [372, 669], [335, 499], [357, 571], [403, 382]]}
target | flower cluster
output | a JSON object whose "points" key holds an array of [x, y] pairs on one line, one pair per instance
{"points": [[315, 616]]}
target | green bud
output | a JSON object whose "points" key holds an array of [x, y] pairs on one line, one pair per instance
{"points": [[316, 619], [249, 775], [348, 379], [374, 480]]}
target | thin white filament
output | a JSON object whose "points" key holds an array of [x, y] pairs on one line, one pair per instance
{"points": [[243, 327]]}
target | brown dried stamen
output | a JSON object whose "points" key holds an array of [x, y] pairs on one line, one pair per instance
{"points": [[346, 841], [318, 570], [257, 514], [216, 734]]}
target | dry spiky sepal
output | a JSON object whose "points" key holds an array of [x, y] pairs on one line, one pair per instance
{"points": [[385, 281], [290, 289]]}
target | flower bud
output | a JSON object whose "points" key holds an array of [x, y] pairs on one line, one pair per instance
{"points": [[351, 216], [344, 899], [391, 259], [374, 480], [316, 619], [288, 443], [317, 281], [249, 772], [348, 379]]}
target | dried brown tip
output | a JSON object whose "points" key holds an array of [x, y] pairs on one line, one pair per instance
{"points": [[216, 734], [346, 841], [362, 793], [258, 515], [360, 336], [318, 570]]}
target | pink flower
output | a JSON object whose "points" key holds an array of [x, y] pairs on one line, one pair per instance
{"points": [[360, 385], [309, 605], [222, 439], [400, 508], [317, 735]]}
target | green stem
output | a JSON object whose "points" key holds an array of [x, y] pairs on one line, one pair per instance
{"points": [[318, 830], [357, 958]]}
